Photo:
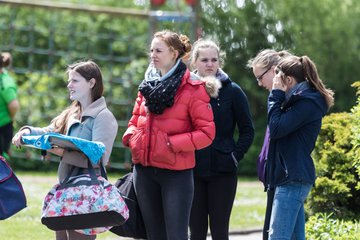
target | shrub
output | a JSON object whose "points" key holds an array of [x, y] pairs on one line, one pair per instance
{"points": [[336, 157], [356, 133], [322, 226]]}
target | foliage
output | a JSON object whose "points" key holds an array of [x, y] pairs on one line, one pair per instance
{"points": [[319, 29], [337, 163], [323, 226], [355, 129]]}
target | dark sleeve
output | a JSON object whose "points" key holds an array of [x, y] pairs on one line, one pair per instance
{"points": [[243, 121]]}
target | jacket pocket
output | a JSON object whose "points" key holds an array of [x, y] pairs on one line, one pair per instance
{"points": [[161, 150], [223, 161], [135, 145], [281, 171]]}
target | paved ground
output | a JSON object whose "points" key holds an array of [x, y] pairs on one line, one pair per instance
{"points": [[256, 235], [251, 235], [242, 236]]}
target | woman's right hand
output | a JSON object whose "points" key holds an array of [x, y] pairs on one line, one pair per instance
{"points": [[278, 81], [17, 139]]}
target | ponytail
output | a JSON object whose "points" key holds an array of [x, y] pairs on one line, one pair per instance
{"points": [[303, 69], [311, 75]]}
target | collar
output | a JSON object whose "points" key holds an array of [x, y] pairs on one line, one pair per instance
{"points": [[95, 108], [91, 111], [297, 89], [221, 75], [153, 74]]}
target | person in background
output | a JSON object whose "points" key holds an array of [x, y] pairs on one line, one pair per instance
{"points": [[9, 104], [171, 119], [263, 65], [297, 103], [215, 173], [87, 117]]}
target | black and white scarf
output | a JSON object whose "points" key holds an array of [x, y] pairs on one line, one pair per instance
{"points": [[159, 93]]}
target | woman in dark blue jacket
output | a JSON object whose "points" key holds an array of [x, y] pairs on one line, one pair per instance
{"points": [[215, 177], [296, 105], [263, 65]]}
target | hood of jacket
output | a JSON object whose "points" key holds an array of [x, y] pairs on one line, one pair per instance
{"points": [[212, 83], [304, 90], [222, 76], [212, 86]]}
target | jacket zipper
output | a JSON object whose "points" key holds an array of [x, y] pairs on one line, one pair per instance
{"points": [[234, 159], [148, 136]]}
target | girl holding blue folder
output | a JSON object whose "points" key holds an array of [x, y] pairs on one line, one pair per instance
{"points": [[87, 117]]}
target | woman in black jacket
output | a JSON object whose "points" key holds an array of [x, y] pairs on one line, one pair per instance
{"points": [[216, 166]]}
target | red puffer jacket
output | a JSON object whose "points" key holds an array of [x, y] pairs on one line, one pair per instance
{"points": [[169, 140]]}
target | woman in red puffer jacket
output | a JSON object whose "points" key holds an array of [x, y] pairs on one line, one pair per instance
{"points": [[171, 119]]}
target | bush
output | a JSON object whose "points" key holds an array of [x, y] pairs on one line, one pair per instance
{"points": [[356, 133], [336, 158], [323, 227]]}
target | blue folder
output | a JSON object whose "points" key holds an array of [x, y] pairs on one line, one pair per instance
{"points": [[92, 149]]}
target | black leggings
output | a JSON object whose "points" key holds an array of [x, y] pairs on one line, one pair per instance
{"points": [[213, 200], [6, 134], [164, 197], [270, 198]]}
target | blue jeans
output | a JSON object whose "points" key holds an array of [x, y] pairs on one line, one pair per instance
{"points": [[165, 198], [288, 216]]}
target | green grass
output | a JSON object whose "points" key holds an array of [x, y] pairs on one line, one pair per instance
{"points": [[248, 210]]}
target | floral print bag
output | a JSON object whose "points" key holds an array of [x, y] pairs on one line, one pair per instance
{"points": [[86, 203]]}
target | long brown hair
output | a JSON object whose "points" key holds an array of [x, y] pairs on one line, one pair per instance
{"points": [[89, 70], [303, 69]]}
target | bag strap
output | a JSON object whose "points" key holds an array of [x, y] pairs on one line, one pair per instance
{"points": [[91, 171], [102, 170]]}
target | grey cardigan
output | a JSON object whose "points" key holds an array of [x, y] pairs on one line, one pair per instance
{"points": [[97, 123]]}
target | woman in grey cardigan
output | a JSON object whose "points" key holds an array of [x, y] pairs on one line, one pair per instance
{"points": [[87, 117]]}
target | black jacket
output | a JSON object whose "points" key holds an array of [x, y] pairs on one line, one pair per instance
{"points": [[230, 109]]}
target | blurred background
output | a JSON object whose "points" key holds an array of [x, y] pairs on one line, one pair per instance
{"points": [[44, 36]]}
